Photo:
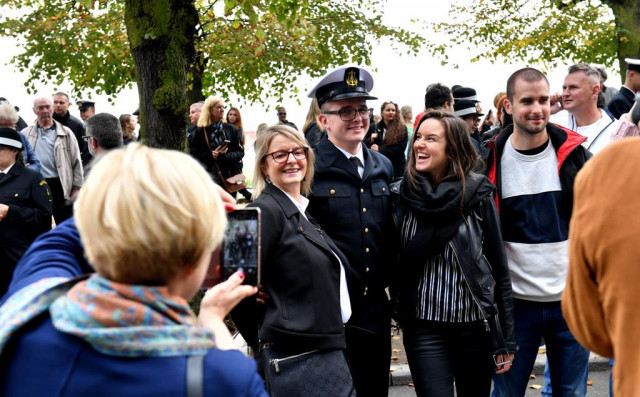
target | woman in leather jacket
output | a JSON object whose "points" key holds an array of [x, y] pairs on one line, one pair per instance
{"points": [[451, 287]]}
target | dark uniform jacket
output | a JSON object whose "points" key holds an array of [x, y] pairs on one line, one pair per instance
{"points": [[29, 199], [301, 274], [229, 162], [622, 102], [29, 215], [77, 127], [356, 214]]}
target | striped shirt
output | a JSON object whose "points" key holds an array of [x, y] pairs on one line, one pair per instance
{"points": [[443, 293]]}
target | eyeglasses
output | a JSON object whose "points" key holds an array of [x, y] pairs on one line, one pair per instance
{"points": [[281, 114], [281, 156], [348, 114], [86, 138]]}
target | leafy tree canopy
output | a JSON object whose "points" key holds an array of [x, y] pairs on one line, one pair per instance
{"points": [[544, 32], [256, 49]]}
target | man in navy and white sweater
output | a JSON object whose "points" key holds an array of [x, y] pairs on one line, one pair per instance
{"points": [[534, 164]]}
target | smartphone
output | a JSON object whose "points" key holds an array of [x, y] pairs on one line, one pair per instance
{"points": [[226, 143], [240, 249]]}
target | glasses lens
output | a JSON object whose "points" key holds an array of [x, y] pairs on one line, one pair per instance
{"points": [[364, 113], [280, 157], [300, 153], [347, 114], [281, 114]]}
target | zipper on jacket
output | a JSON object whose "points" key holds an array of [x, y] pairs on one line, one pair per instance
{"points": [[276, 361], [464, 277]]}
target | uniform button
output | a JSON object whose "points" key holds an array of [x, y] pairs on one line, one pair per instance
{"points": [[364, 210], [384, 189], [332, 191], [365, 293], [366, 289], [361, 190], [367, 270], [366, 230], [366, 250]]}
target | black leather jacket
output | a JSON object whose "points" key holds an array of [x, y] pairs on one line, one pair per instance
{"points": [[480, 251]]}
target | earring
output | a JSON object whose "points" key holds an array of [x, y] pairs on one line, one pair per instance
{"points": [[266, 178]]}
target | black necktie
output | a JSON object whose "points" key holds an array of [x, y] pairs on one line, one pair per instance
{"points": [[356, 163]]}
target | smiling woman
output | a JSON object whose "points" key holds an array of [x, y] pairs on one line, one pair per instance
{"points": [[452, 268], [301, 337]]}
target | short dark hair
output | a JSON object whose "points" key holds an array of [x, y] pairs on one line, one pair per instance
{"points": [[436, 96], [530, 75], [60, 93], [105, 129]]}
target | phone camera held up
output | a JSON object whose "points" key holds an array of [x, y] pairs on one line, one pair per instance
{"points": [[240, 249]]}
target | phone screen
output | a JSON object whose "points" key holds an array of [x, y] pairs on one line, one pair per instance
{"points": [[240, 249]]}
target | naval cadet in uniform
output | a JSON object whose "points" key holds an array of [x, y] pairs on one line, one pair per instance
{"points": [[350, 198], [622, 102]]}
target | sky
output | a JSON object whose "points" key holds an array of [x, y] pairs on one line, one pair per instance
{"points": [[399, 78]]}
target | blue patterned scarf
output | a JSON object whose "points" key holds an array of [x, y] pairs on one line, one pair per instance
{"points": [[116, 319]]}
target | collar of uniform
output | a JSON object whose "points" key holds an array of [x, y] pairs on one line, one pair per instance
{"points": [[359, 155], [6, 170]]}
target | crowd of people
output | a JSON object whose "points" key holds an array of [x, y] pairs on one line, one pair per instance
{"points": [[452, 226]]}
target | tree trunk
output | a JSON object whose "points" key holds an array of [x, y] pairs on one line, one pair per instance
{"points": [[161, 35], [194, 92], [627, 17]]}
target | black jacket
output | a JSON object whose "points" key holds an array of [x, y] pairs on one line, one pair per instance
{"points": [[229, 162], [29, 199], [355, 213], [77, 127], [312, 134], [478, 246], [302, 277], [395, 153], [621, 102]]}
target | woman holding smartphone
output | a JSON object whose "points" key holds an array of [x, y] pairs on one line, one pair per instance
{"points": [[216, 144], [300, 327], [451, 287]]}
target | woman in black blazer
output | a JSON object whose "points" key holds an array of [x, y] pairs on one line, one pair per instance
{"points": [[300, 325], [216, 143]]}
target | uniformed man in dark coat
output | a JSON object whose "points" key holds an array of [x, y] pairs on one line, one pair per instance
{"points": [[351, 200], [25, 205], [622, 102]]}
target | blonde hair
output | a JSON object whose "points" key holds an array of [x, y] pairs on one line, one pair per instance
{"points": [[146, 214], [263, 141], [205, 113], [312, 115]]}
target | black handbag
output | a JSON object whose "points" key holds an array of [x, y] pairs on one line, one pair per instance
{"points": [[316, 373]]}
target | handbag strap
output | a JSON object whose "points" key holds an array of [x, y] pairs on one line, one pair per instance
{"points": [[195, 377], [206, 138]]}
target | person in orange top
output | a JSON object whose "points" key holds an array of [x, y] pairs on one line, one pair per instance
{"points": [[600, 302]]}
